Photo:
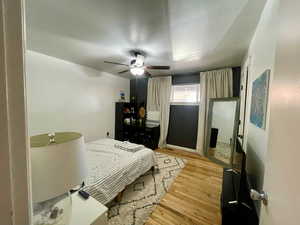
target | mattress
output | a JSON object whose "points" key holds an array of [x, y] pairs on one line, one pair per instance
{"points": [[111, 169]]}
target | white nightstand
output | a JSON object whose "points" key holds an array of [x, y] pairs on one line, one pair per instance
{"points": [[87, 212]]}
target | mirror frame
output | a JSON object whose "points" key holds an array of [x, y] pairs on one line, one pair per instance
{"points": [[235, 128]]}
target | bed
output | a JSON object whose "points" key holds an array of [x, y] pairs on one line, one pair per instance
{"points": [[112, 169]]}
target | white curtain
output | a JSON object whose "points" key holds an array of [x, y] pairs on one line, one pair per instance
{"points": [[158, 99], [213, 84]]}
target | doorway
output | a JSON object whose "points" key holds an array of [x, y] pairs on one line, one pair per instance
{"points": [[15, 184]]}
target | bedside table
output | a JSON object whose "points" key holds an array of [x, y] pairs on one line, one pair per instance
{"points": [[87, 212]]}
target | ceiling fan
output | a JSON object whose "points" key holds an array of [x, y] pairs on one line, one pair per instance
{"points": [[137, 66]]}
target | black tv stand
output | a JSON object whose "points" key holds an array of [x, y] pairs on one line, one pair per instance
{"points": [[236, 211], [232, 170]]}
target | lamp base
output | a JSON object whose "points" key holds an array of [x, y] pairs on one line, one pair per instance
{"points": [[56, 211]]}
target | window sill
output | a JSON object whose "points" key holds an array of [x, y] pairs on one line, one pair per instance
{"points": [[184, 103]]}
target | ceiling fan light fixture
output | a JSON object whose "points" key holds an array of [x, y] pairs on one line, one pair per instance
{"points": [[137, 71], [139, 60]]}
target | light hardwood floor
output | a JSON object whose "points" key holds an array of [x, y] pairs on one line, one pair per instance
{"points": [[194, 197]]}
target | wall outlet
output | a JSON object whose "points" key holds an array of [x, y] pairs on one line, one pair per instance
{"points": [[107, 134]]}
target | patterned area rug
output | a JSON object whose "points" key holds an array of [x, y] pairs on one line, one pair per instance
{"points": [[140, 198]]}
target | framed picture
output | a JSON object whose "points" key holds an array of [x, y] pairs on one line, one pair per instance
{"points": [[259, 101]]}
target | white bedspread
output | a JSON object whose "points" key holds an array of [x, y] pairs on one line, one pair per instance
{"points": [[112, 169]]}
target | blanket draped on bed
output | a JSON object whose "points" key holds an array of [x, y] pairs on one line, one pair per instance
{"points": [[112, 169]]}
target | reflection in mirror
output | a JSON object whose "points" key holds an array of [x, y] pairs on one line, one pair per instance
{"points": [[222, 128]]}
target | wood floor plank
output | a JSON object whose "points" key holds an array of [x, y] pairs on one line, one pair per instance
{"points": [[195, 211], [200, 202], [202, 191], [163, 214], [197, 193], [204, 184], [151, 221], [194, 197]]}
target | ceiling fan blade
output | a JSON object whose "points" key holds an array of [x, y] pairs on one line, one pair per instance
{"points": [[116, 63], [124, 71], [147, 74], [158, 67]]}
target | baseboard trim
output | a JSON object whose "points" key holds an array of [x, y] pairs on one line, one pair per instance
{"points": [[181, 148]]}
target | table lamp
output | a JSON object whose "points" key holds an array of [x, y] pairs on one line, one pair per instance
{"points": [[58, 164]]}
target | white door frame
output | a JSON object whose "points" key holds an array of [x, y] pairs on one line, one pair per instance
{"points": [[246, 114], [15, 196], [243, 101]]}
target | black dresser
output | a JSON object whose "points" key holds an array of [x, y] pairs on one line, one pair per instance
{"points": [[128, 127], [235, 211], [237, 206]]}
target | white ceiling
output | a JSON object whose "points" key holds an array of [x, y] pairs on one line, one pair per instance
{"points": [[188, 35]]}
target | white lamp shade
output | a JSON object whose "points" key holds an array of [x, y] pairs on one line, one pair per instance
{"points": [[58, 167]]}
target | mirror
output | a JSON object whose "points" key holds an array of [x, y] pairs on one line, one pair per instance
{"points": [[222, 125]]}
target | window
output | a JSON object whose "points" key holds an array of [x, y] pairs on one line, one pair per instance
{"points": [[185, 94]]}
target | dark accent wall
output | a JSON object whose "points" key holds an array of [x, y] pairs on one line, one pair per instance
{"points": [[183, 124], [190, 78], [138, 90]]}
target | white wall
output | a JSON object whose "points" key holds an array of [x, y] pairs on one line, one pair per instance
{"points": [[261, 55], [282, 181], [63, 96], [223, 118]]}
